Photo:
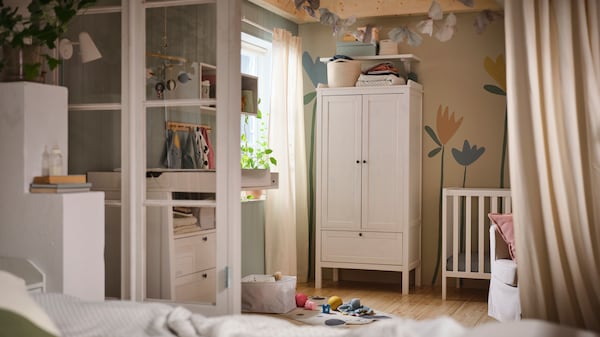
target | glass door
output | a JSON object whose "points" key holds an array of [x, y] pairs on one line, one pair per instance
{"points": [[181, 152], [154, 123], [188, 172]]}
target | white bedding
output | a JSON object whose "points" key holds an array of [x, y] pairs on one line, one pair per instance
{"points": [[78, 318]]}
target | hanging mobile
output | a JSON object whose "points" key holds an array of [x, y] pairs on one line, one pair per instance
{"points": [[171, 84], [160, 88]]}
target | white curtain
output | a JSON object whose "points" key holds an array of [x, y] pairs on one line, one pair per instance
{"points": [[286, 218], [553, 76]]}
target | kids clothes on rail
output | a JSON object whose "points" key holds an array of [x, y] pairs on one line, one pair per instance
{"points": [[195, 153]]}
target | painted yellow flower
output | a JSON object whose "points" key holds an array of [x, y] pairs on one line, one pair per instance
{"points": [[446, 125], [497, 70]]}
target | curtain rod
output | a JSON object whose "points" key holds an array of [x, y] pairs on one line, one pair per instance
{"points": [[256, 25]]}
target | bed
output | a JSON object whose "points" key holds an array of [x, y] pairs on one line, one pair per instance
{"points": [[23, 313]]}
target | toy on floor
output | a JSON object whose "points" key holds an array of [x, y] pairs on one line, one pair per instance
{"points": [[335, 302], [354, 308], [301, 300]]}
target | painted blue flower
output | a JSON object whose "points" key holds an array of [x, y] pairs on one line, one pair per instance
{"points": [[468, 155], [316, 71]]}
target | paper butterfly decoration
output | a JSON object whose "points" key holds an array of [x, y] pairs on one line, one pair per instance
{"points": [[484, 18], [435, 13], [337, 24], [401, 33]]}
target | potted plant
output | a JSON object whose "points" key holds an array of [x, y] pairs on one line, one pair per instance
{"points": [[23, 38], [256, 156]]}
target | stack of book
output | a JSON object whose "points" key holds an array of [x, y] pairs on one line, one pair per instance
{"points": [[60, 184]]}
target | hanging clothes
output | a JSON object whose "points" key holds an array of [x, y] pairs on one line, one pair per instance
{"points": [[171, 157], [209, 151], [189, 151], [202, 148]]}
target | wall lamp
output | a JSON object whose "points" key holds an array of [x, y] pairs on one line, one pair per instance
{"points": [[87, 49]]}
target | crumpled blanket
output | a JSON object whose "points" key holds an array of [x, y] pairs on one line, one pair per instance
{"points": [[78, 318]]}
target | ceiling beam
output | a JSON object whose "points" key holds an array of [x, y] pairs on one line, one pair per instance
{"points": [[373, 8]]}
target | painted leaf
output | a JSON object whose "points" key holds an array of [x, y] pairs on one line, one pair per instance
{"points": [[434, 152], [309, 97], [494, 89], [432, 134]]}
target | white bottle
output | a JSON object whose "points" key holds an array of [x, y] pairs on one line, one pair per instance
{"points": [[45, 162], [56, 164]]}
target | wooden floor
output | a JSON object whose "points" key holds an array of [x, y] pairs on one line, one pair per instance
{"points": [[467, 306]]}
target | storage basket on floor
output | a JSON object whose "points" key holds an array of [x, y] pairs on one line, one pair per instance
{"points": [[259, 294]]}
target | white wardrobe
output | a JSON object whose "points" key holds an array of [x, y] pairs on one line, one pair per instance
{"points": [[368, 195]]}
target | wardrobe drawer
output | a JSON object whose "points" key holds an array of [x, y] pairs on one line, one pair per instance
{"points": [[361, 247], [197, 287], [194, 253]]}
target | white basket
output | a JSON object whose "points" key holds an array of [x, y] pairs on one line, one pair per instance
{"points": [[342, 73], [260, 295]]}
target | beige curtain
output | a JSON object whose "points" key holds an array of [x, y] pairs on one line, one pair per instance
{"points": [[286, 227], [553, 80]]}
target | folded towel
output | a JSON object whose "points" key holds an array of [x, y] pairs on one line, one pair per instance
{"points": [[184, 221], [379, 80]]}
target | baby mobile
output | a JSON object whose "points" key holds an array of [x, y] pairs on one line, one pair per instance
{"points": [[157, 76]]}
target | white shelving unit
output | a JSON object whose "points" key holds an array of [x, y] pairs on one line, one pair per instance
{"points": [[407, 60], [63, 233]]}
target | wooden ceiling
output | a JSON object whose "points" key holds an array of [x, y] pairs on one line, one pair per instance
{"points": [[371, 8]]}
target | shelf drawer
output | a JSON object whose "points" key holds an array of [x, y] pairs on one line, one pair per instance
{"points": [[197, 287], [194, 253], [361, 247]]}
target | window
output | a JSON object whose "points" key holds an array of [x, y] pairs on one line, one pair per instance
{"points": [[256, 60]]}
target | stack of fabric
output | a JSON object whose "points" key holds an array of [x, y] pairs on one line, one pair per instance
{"points": [[184, 221], [381, 74]]}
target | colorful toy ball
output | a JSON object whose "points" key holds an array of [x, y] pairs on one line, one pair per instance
{"points": [[335, 302], [301, 300]]}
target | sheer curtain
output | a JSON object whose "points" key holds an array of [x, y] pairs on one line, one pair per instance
{"points": [[553, 73], [286, 212]]}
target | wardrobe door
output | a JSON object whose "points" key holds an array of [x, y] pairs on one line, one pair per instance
{"points": [[341, 162]]}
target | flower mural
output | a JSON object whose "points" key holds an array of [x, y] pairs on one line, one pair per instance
{"points": [[446, 127], [497, 70], [467, 156], [317, 72]]}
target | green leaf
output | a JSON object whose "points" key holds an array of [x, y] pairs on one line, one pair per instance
{"points": [[434, 152], [273, 160], [52, 62], [494, 89], [309, 97], [432, 134], [32, 71]]}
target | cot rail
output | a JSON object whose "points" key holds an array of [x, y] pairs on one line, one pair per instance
{"points": [[465, 231]]}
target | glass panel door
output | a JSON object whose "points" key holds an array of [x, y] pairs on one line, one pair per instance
{"points": [[181, 153], [95, 110]]}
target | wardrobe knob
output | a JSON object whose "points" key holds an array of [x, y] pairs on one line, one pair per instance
{"points": [[359, 234], [364, 161], [205, 238], [205, 275], [358, 161]]}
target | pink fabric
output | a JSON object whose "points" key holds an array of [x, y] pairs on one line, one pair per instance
{"points": [[506, 229]]}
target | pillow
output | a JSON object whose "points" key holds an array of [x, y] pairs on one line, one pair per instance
{"points": [[505, 227], [19, 313]]}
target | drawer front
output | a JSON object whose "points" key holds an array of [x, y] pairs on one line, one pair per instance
{"points": [[197, 287], [361, 247], [194, 253]]}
